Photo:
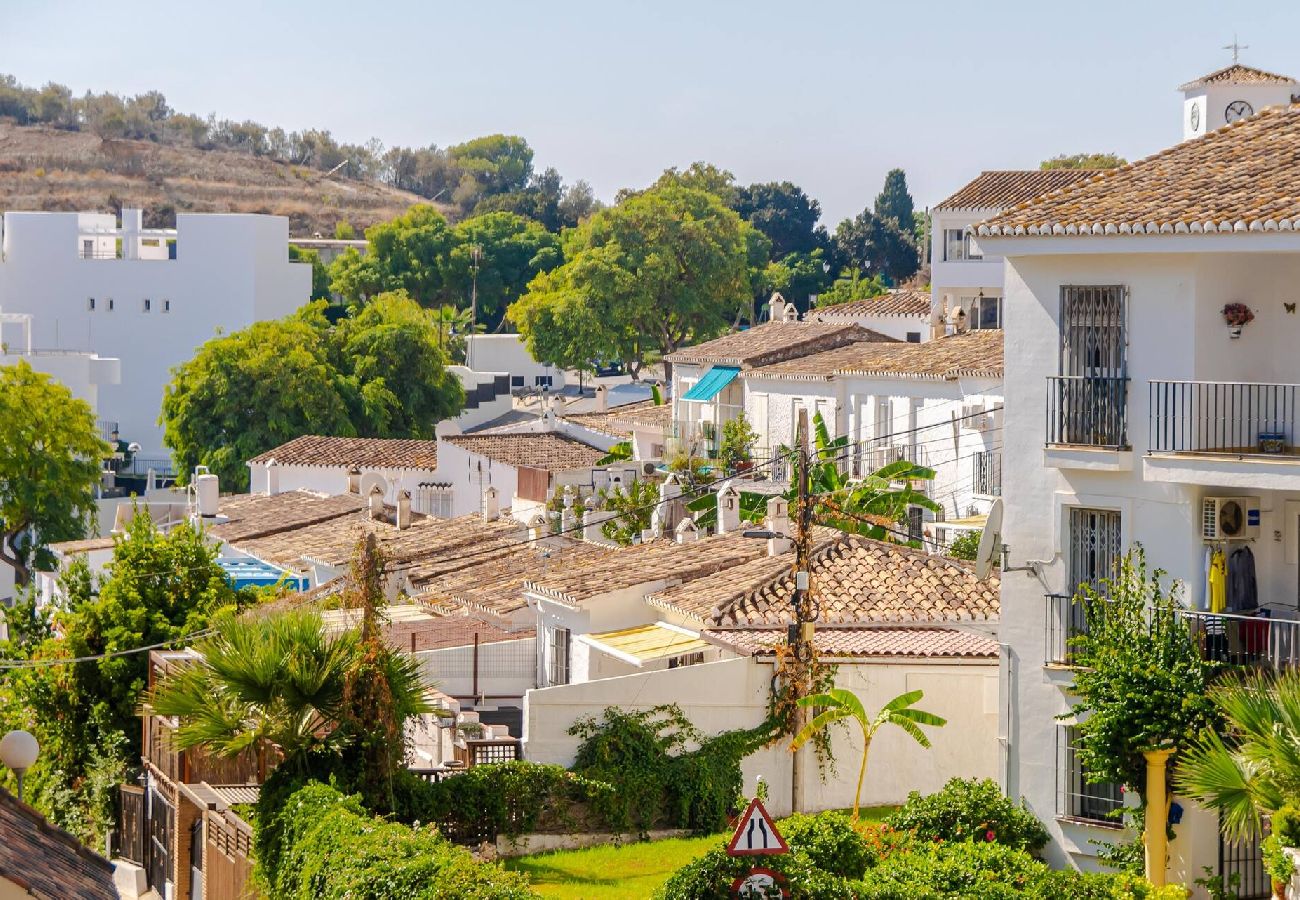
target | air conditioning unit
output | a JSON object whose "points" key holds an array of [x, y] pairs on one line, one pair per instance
{"points": [[1229, 518]]}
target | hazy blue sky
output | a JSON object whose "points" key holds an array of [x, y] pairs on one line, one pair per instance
{"points": [[827, 95]]}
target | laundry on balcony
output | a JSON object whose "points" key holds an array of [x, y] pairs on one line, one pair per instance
{"points": [[713, 383]]}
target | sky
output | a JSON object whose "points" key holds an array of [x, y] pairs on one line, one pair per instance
{"points": [[828, 95]]}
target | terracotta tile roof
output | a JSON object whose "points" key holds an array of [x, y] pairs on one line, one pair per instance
{"points": [[895, 303], [775, 341], [415, 627], [582, 580], [539, 450], [1244, 177], [257, 515], [1238, 74], [373, 453], [619, 421], [856, 580], [1002, 189], [68, 548], [973, 354], [921, 643], [45, 860]]}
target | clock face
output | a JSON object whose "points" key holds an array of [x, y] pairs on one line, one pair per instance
{"points": [[1237, 109], [1194, 118]]}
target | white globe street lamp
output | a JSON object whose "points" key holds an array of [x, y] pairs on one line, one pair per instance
{"points": [[18, 751]]}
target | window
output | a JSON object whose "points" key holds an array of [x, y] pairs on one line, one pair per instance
{"points": [[985, 312], [914, 337], [516, 381], [87, 248], [148, 304], [434, 500], [957, 245], [90, 305], [688, 659], [1094, 546], [1076, 798], [167, 306], [915, 523], [1088, 401], [110, 304], [544, 380], [557, 655]]}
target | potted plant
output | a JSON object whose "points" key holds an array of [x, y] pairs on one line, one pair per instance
{"points": [[736, 450], [1280, 849], [1237, 315]]}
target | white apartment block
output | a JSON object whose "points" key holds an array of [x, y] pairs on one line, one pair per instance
{"points": [[149, 297], [1136, 413]]}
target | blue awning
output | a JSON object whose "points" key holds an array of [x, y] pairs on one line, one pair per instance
{"points": [[712, 384]]}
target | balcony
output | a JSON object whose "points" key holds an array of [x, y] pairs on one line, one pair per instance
{"points": [[987, 474], [1087, 423], [1229, 639], [1223, 434]]}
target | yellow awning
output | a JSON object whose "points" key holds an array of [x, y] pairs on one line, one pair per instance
{"points": [[646, 643], [970, 523]]}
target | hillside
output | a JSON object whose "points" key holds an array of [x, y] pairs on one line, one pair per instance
{"points": [[51, 169]]}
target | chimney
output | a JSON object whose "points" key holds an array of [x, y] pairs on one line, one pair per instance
{"points": [[602, 398], [728, 509], [354, 480], [648, 535], [778, 520], [776, 308], [591, 520], [491, 504], [403, 510], [537, 528], [272, 477], [686, 531], [669, 511], [376, 502], [568, 517]]}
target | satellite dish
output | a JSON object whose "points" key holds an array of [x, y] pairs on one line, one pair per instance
{"points": [[370, 480], [990, 542]]}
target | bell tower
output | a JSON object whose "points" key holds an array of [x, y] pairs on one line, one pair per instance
{"points": [[1230, 94]]}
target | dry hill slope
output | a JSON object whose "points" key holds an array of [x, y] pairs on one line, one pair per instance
{"points": [[47, 169]]}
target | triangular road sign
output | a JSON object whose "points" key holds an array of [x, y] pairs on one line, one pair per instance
{"points": [[756, 834]]}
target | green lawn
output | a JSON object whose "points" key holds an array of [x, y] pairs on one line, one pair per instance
{"points": [[626, 872]]}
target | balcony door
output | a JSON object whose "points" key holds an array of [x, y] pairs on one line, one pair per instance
{"points": [[1093, 384], [1094, 547]]}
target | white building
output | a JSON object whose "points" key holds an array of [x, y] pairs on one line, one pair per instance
{"points": [[1165, 426], [509, 353], [1230, 94], [903, 315], [965, 280], [149, 297]]}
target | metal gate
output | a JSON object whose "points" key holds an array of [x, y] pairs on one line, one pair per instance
{"points": [[1244, 860], [130, 827], [162, 822]]}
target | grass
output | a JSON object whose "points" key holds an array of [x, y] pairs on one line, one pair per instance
{"points": [[628, 871]]}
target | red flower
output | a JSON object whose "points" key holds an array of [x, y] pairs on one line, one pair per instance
{"points": [[989, 836]]}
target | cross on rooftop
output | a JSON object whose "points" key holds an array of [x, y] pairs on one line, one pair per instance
{"points": [[1236, 48]]}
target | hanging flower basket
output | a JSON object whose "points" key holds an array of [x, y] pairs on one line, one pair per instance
{"points": [[1237, 315]]}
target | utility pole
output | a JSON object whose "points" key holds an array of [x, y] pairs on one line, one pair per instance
{"points": [[475, 255], [800, 636]]}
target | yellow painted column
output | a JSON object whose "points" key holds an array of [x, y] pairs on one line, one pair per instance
{"points": [[1155, 836]]}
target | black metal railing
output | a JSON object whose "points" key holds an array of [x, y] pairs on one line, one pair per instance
{"points": [[988, 473], [1065, 621], [1222, 417], [1087, 411]]}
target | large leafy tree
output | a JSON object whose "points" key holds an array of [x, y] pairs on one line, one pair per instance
{"points": [[493, 164], [784, 213], [380, 373], [894, 202], [512, 251], [157, 590], [664, 267], [878, 246], [50, 458], [409, 253]]}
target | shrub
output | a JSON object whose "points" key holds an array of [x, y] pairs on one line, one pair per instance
{"points": [[830, 841], [970, 810], [334, 849], [1285, 823], [710, 877]]}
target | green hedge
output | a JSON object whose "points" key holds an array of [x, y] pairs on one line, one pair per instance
{"points": [[967, 809], [831, 842], [332, 849]]}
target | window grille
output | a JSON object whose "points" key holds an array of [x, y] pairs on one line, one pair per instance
{"points": [[1087, 402], [1076, 798], [1094, 546]]}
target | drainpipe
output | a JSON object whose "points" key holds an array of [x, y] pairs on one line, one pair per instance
{"points": [[476, 667], [1156, 835]]}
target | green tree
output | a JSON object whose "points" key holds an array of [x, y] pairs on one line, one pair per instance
{"points": [[664, 267], [320, 273], [894, 202], [493, 164], [1084, 161], [50, 458], [878, 246], [1250, 768], [1141, 682], [784, 213], [633, 507], [513, 251], [701, 176], [850, 289], [838, 704], [158, 589], [343, 231], [410, 254]]}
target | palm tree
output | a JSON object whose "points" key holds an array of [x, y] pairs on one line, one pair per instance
{"points": [[1253, 768], [453, 324], [838, 704], [274, 686]]}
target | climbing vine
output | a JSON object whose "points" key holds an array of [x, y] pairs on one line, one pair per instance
{"points": [[783, 712]]}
